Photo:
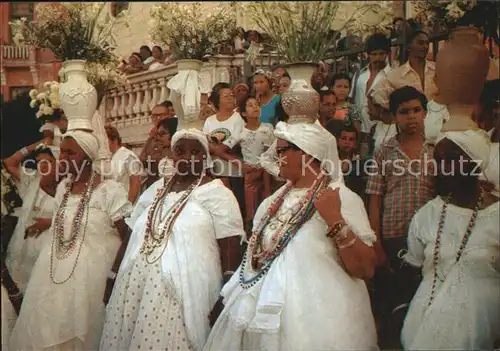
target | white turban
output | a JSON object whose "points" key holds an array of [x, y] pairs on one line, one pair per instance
{"points": [[475, 143], [87, 141], [315, 141], [196, 135]]}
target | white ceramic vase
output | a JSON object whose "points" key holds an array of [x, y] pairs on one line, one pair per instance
{"points": [[301, 101], [78, 97], [189, 65]]}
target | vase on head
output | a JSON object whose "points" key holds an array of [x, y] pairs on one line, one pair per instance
{"points": [[78, 97], [301, 102]]}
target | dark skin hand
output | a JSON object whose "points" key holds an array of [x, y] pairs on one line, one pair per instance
{"points": [[15, 296]]}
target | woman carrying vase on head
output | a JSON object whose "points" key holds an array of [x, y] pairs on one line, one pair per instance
{"points": [[300, 285], [185, 241], [63, 306]]}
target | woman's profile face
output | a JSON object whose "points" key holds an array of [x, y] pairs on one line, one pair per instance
{"points": [[46, 166], [290, 160], [157, 54], [189, 157], [163, 137]]}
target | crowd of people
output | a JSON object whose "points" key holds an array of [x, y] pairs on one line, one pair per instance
{"points": [[350, 231]]}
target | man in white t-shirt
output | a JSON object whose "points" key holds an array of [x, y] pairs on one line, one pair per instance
{"points": [[126, 167], [223, 131]]}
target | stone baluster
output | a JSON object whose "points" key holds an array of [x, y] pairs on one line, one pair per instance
{"points": [[131, 101], [138, 100], [147, 99], [121, 107], [164, 93], [114, 111], [154, 86]]}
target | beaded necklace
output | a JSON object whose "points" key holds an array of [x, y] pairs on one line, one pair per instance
{"points": [[158, 229], [63, 248], [43, 196], [465, 239], [260, 258]]}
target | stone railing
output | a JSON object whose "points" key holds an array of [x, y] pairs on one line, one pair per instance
{"points": [[128, 107], [14, 52]]}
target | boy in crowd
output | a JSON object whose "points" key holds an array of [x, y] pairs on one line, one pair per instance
{"points": [[400, 181]]}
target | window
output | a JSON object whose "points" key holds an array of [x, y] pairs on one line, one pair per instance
{"points": [[117, 7], [19, 10]]}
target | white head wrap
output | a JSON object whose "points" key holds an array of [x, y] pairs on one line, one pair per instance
{"points": [[86, 140], [315, 141], [197, 135], [475, 143]]}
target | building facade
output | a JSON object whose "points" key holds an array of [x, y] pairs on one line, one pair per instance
{"points": [[23, 67]]}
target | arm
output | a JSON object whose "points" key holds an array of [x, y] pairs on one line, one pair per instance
{"points": [[124, 232], [13, 163], [134, 187]]}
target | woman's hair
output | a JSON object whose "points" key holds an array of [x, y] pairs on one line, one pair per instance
{"points": [[490, 94], [137, 56], [145, 47], [410, 37], [340, 76], [113, 134], [166, 104], [286, 75], [159, 48], [267, 75], [405, 94], [43, 150], [169, 124], [280, 113], [56, 115], [214, 97]]}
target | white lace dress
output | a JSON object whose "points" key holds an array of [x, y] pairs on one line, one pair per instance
{"points": [[22, 253], [8, 318], [69, 316], [465, 313], [306, 301], [165, 305]]}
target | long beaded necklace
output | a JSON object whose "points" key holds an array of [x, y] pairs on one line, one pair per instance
{"points": [[465, 239], [260, 258], [63, 248], [43, 196], [153, 245]]}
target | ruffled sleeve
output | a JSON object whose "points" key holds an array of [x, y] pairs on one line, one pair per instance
{"points": [[224, 210], [354, 213], [115, 200]]}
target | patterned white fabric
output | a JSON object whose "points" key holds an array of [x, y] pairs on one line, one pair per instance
{"points": [[188, 273], [475, 143]]}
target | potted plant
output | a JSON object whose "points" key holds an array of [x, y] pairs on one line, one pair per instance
{"points": [[301, 33], [193, 32], [76, 33]]}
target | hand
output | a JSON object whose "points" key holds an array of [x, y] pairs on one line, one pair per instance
{"points": [[328, 203], [48, 141], [381, 255], [216, 311], [41, 225], [110, 283]]}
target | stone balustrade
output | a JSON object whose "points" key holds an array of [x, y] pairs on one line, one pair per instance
{"points": [[15, 52], [128, 107]]}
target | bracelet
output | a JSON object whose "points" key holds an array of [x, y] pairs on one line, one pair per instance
{"points": [[228, 273], [19, 293], [342, 234], [335, 229], [24, 151], [349, 244], [112, 275]]}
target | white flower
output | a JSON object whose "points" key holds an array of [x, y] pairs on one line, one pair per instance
{"points": [[39, 114], [56, 104], [54, 89], [46, 85], [48, 110], [41, 96], [33, 93], [33, 103]]}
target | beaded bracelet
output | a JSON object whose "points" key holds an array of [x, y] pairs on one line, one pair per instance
{"points": [[335, 229], [24, 151], [349, 244]]}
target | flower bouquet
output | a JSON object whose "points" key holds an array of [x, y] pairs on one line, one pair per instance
{"points": [[190, 30], [47, 100], [104, 77], [71, 31]]}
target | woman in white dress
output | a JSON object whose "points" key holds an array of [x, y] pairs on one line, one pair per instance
{"points": [[171, 275], [454, 239], [37, 188], [63, 305], [300, 286]]}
